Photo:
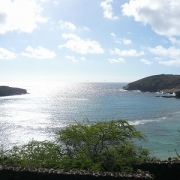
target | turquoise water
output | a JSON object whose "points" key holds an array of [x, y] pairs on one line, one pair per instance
{"points": [[49, 107]]}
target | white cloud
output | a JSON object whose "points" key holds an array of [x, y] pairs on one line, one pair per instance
{"points": [[116, 40], [126, 41], [168, 57], [20, 15], [119, 41], [84, 28], [76, 44], [72, 58], [44, 0], [67, 25], [145, 61], [83, 58], [71, 27], [171, 63], [170, 52], [158, 59], [5, 54], [174, 40], [162, 15], [113, 35], [55, 2], [108, 11], [119, 60], [38, 53], [130, 52], [70, 36]]}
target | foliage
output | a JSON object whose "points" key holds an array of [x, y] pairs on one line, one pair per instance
{"points": [[106, 146], [101, 146], [34, 154]]}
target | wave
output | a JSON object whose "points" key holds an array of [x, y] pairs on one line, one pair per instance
{"points": [[142, 122], [136, 91], [122, 90]]}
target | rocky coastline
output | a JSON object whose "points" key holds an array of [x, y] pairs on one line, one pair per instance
{"points": [[10, 91], [163, 83]]}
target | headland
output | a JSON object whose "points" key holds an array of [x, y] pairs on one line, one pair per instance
{"points": [[10, 91], [165, 83]]}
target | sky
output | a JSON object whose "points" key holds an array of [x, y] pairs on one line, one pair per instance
{"points": [[88, 40]]}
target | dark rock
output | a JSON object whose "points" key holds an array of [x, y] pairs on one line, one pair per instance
{"points": [[9, 91], [178, 94], [166, 83], [167, 96]]}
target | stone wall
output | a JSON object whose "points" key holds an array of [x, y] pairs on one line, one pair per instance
{"points": [[18, 173], [157, 170], [162, 170]]}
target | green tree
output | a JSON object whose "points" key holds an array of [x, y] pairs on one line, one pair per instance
{"points": [[43, 154], [104, 145], [101, 146]]}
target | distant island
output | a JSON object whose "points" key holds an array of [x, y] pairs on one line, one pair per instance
{"points": [[165, 83], [9, 91]]}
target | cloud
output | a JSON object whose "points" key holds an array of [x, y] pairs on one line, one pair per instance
{"points": [[38, 53], [171, 63], [126, 41], [130, 52], [67, 25], [168, 57], [119, 60], [174, 40], [20, 15], [3, 17], [108, 11], [5, 54], [147, 62], [76, 44], [121, 41], [55, 2], [84, 28], [83, 58], [64, 25], [170, 52], [113, 35], [72, 58], [162, 16]]}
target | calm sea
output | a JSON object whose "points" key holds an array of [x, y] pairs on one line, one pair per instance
{"points": [[49, 107]]}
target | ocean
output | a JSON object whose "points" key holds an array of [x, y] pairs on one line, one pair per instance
{"points": [[51, 106]]}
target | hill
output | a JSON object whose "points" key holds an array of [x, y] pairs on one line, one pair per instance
{"points": [[166, 83], [9, 91]]}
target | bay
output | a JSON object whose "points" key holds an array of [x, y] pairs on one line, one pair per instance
{"points": [[52, 106]]}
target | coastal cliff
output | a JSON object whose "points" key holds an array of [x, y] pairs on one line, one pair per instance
{"points": [[166, 83], [9, 91]]}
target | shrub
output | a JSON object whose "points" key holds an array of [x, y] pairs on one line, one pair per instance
{"points": [[102, 145], [34, 154], [105, 146]]}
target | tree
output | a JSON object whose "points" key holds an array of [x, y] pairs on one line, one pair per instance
{"points": [[104, 145], [43, 154]]}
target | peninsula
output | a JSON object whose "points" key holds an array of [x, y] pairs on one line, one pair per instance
{"points": [[9, 91], [166, 83]]}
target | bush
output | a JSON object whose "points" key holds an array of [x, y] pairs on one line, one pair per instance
{"points": [[105, 146], [34, 154]]}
